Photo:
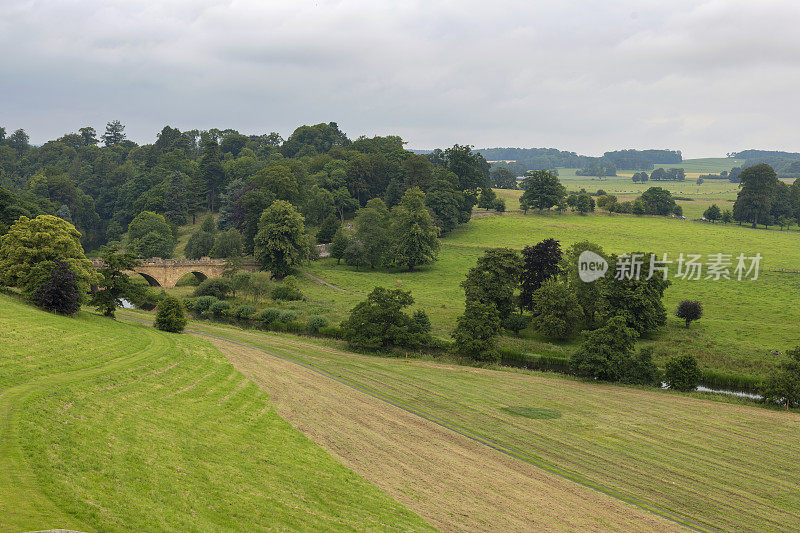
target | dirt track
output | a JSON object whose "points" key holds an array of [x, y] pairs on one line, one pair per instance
{"points": [[453, 482]]}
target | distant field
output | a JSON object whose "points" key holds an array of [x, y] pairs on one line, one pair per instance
{"points": [[706, 165], [107, 426], [743, 320], [722, 466]]}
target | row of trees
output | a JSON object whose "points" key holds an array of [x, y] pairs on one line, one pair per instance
{"points": [[660, 174]]}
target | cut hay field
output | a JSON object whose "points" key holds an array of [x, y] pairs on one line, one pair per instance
{"points": [[743, 321], [106, 426], [720, 466]]}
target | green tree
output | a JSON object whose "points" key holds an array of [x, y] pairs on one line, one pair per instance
{"points": [[589, 295], [783, 385], [494, 280], [170, 315], [281, 242], [114, 285], [413, 233], [658, 201], [713, 213], [758, 184], [540, 262], [328, 230], [543, 190], [212, 175], [556, 312], [176, 200], [727, 216], [503, 178], [89, 136], [372, 230], [114, 133], [487, 198], [199, 245], [476, 331], [339, 245], [380, 321], [584, 203], [44, 239], [227, 244], [355, 254], [604, 353], [149, 235], [682, 373]]}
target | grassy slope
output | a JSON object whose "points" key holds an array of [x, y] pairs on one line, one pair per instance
{"points": [[743, 320], [109, 426], [730, 467]]}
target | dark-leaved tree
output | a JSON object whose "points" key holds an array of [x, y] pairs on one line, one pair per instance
{"points": [[540, 262], [59, 292]]}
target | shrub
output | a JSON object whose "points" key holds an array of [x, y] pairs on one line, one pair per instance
{"points": [[682, 373], [421, 321], [244, 312], [639, 369], [201, 304], [219, 309], [604, 354], [268, 316], [689, 310], [286, 292], [783, 385], [170, 315], [217, 287], [286, 316], [316, 323], [499, 205], [380, 321]]}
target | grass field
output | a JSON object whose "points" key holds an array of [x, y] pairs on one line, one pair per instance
{"points": [[107, 426], [723, 466], [743, 321]]}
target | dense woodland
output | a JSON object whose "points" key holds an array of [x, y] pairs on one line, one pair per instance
{"points": [[107, 185]]}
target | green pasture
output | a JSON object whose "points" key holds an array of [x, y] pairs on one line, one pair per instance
{"points": [[743, 322], [722, 466], [106, 426]]}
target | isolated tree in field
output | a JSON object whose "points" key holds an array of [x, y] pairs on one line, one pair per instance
{"points": [[476, 331], [170, 315], [543, 190], [380, 321], [413, 233], [713, 213], [689, 310], [758, 184], [339, 245], [556, 313], [59, 292], [114, 285], [783, 385], [372, 224], [281, 243], [682, 373], [114, 133], [540, 262], [658, 201], [328, 230], [45, 238], [149, 235], [494, 279]]}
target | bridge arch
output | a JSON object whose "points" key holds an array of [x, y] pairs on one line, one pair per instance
{"points": [[153, 282]]}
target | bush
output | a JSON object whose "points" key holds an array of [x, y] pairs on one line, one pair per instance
{"points": [[286, 292], [476, 332], [682, 373], [244, 312], [170, 315], [421, 321], [316, 323], [499, 205], [268, 316], [380, 321], [285, 317], [217, 287], [639, 369], [219, 309], [201, 304], [783, 385]]}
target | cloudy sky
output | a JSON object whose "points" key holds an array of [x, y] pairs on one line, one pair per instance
{"points": [[705, 77]]}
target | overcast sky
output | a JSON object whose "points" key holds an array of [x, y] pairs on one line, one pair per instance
{"points": [[705, 77]]}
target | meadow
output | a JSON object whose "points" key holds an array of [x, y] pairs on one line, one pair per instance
{"points": [[743, 320], [713, 465], [118, 427]]}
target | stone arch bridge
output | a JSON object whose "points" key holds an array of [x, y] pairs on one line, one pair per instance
{"points": [[166, 272]]}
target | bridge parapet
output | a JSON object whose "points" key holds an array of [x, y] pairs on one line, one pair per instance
{"points": [[167, 272]]}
